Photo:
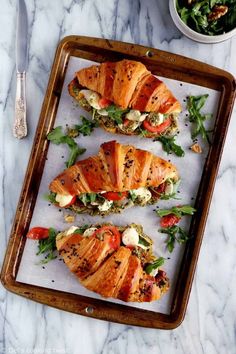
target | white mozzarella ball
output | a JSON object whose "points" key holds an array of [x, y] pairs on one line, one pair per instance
{"points": [[130, 237]]}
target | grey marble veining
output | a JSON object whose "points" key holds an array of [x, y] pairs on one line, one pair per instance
{"points": [[27, 327]]}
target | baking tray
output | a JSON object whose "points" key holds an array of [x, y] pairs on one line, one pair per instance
{"points": [[166, 65]]}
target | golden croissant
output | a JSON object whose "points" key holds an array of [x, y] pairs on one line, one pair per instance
{"points": [[113, 261], [124, 97], [118, 177]]}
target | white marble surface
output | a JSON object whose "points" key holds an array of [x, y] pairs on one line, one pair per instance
{"points": [[27, 327]]}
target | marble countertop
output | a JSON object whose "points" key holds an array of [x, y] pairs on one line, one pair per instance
{"points": [[28, 327]]}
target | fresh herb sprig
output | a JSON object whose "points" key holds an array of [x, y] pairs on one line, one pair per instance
{"points": [[175, 234], [51, 197], [144, 242], [173, 195], [164, 196], [56, 136], [116, 113], [154, 265], [48, 246], [169, 145], [132, 195], [81, 229], [88, 198], [86, 128], [142, 132], [178, 211], [194, 105]]}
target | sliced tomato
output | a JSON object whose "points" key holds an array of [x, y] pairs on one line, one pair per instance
{"points": [[169, 220], [115, 195], [158, 191], [126, 122], [130, 247], [109, 234], [38, 233], [104, 102], [156, 128]]}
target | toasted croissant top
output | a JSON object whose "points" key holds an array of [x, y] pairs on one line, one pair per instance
{"points": [[116, 168], [107, 270], [128, 83]]}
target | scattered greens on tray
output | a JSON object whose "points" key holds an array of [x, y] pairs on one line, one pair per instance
{"points": [[178, 211], [48, 246], [209, 17], [86, 128], [169, 219], [175, 234], [56, 136], [169, 145], [194, 105]]}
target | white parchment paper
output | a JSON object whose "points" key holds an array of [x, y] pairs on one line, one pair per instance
{"points": [[55, 275]]}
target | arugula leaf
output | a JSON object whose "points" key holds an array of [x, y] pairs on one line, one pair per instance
{"points": [[75, 90], [75, 151], [143, 241], [175, 234], [194, 105], [184, 14], [164, 196], [87, 126], [51, 197], [81, 229], [142, 132], [169, 145], [88, 198], [167, 196], [57, 137], [229, 20], [133, 195], [156, 264], [183, 236], [116, 113], [48, 246], [178, 211]]}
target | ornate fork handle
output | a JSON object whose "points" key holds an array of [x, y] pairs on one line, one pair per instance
{"points": [[20, 125]]}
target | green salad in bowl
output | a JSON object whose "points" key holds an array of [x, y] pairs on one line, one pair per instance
{"points": [[208, 17]]}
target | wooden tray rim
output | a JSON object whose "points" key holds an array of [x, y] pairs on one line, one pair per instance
{"points": [[86, 306]]}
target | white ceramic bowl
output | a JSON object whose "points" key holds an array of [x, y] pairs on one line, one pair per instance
{"points": [[193, 34]]}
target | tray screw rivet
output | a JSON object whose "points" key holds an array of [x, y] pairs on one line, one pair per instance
{"points": [[89, 309], [149, 54]]}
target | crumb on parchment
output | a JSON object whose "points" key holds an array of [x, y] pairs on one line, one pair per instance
{"points": [[196, 148], [69, 218]]}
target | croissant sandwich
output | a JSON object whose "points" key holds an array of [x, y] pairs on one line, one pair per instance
{"points": [[124, 97], [112, 261], [118, 177]]}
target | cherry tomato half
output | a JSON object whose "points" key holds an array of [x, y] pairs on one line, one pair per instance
{"points": [[109, 234], [126, 122], [169, 220], [104, 102], [130, 247], [156, 128], [115, 195], [38, 233], [158, 191]]}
